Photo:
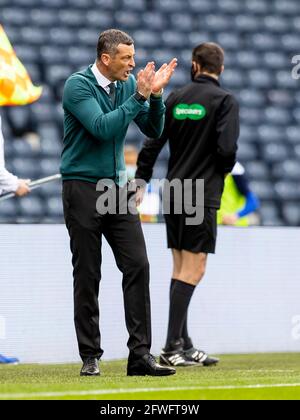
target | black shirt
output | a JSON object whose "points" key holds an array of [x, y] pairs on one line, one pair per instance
{"points": [[202, 127]]}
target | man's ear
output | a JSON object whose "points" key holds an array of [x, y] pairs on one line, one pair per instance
{"points": [[222, 69], [105, 58]]}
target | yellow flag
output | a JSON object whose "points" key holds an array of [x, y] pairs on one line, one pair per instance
{"points": [[16, 87]]}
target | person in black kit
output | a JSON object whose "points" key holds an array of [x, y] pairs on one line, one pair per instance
{"points": [[202, 127]]}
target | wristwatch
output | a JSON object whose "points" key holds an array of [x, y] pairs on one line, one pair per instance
{"points": [[139, 97]]}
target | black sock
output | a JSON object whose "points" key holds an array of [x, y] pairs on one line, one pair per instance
{"points": [[180, 297], [185, 335]]}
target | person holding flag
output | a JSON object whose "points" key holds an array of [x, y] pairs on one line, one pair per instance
{"points": [[239, 202], [16, 88]]}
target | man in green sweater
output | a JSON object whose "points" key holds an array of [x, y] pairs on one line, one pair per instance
{"points": [[99, 104]]}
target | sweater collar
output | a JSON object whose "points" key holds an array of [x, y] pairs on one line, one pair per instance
{"points": [[92, 77]]}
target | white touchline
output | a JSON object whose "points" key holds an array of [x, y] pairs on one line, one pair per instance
{"points": [[141, 390]]}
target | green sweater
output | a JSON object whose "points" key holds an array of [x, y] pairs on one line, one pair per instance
{"points": [[95, 130]]}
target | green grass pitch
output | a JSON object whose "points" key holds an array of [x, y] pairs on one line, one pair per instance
{"points": [[259, 376]]}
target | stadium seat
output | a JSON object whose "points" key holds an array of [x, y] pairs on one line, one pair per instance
{"points": [[296, 151], [287, 190], [264, 189], [291, 213], [277, 116], [106, 4], [288, 7], [34, 35], [293, 134], [257, 170], [216, 23], [53, 55], [72, 18], [86, 37], [233, 78], [261, 79], [51, 148], [154, 19], [8, 210], [290, 42], [146, 38], [252, 116], [21, 148], [284, 80], [247, 23], [52, 189], [271, 134], [263, 42], [14, 16], [229, 41], [173, 39], [251, 98], [32, 206], [82, 4], [200, 6], [287, 170], [58, 73], [26, 168], [20, 119], [275, 60], [247, 152], [281, 98], [169, 6], [269, 214], [296, 114], [44, 18], [63, 36], [247, 59], [127, 19], [138, 5], [258, 7], [276, 24], [230, 6], [182, 22], [99, 20], [248, 134], [273, 152], [54, 208], [27, 54], [49, 167]]}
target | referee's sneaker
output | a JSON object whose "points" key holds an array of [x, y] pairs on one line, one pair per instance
{"points": [[191, 357]]}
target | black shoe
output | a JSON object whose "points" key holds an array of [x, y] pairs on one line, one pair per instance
{"points": [[90, 367], [199, 357], [147, 365]]}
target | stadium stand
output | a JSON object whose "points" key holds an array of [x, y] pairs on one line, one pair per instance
{"points": [[54, 38]]}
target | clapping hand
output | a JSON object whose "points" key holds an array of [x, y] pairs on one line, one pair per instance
{"points": [[163, 76]]}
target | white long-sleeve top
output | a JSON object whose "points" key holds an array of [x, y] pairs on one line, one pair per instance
{"points": [[8, 182]]}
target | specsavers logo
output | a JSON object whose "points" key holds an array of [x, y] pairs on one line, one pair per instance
{"points": [[193, 112]]}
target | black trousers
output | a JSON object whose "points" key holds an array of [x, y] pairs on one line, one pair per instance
{"points": [[124, 235]]}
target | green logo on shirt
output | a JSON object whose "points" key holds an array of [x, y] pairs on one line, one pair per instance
{"points": [[193, 112]]}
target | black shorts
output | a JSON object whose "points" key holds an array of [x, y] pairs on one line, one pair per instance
{"points": [[200, 238]]}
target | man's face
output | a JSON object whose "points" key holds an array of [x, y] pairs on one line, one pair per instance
{"points": [[121, 64]]}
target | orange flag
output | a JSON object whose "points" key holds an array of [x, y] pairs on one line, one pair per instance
{"points": [[16, 87]]}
